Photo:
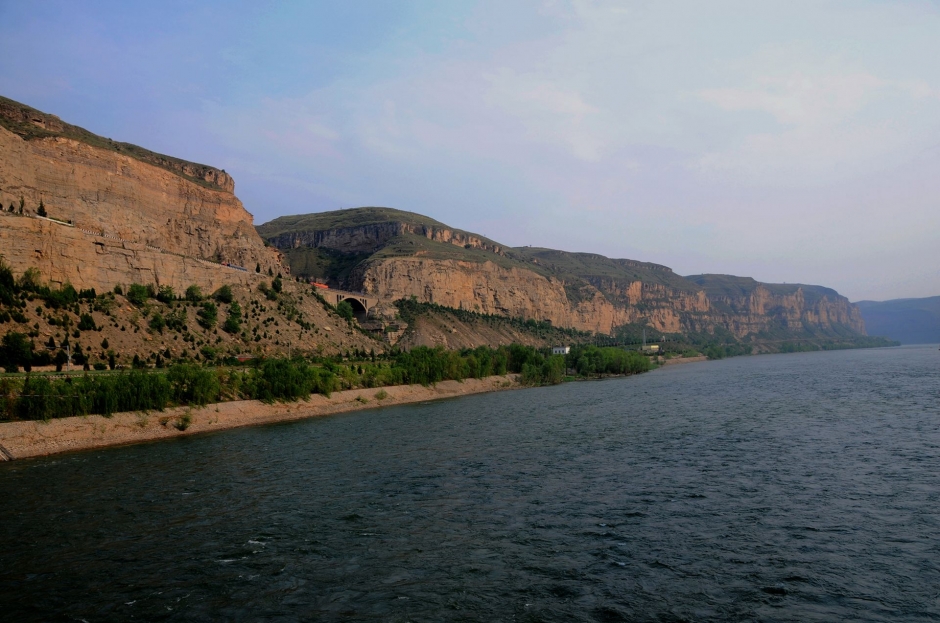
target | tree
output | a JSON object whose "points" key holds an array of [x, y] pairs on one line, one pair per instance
{"points": [[31, 279], [157, 322], [208, 315], [15, 350], [42, 209], [61, 358], [257, 266], [166, 294], [277, 285], [137, 294], [345, 310], [22, 203], [233, 323], [193, 294], [86, 323], [224, 295]]}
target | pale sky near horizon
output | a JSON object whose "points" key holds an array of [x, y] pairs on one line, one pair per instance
{"points": [[786, 141]]}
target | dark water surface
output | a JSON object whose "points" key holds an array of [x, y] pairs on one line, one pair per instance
{"points": [[788, 487]]}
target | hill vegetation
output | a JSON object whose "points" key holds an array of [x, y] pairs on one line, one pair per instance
{"points": [[145, 326]]}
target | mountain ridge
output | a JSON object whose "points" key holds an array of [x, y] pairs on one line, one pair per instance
{"points": [[396, 254], [908, 320]]}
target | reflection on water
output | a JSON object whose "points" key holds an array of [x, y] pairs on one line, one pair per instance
{"points": [[787, 487]]}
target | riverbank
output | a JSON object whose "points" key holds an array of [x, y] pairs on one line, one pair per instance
{"points": [[678, 360], [26, 439]]}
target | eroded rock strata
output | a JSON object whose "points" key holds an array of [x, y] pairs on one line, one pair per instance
{"points": [[403, 255], [130, 195]]}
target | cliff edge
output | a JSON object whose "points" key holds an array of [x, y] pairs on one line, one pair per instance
{"points": [[120, 192]]}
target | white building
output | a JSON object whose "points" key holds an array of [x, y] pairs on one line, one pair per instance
{"points": [[561, 350]]}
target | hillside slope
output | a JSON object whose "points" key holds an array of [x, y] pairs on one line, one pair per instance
{"points": [[909, 321], [394, 254], [122, 215]]}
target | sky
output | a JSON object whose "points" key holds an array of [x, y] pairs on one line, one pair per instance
{"points": [[786, 141]]}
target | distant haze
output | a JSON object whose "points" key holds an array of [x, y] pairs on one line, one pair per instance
{"points": [[909, 321], [787, 141]]}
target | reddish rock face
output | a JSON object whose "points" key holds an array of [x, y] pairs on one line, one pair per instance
{"points": [[127, 200], [492, 289]]}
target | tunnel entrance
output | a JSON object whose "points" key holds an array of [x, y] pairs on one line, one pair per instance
{"points": [[359, 310]]}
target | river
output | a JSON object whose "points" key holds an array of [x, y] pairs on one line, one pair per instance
{"points": [[800, 487]]}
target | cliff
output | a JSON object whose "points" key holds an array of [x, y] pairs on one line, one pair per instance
{"points": [[392, 255], [66, 254], [745, 305], [122, 192], [365, 230]]}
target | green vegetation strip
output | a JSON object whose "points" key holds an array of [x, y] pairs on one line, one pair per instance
{"points": [[37, 397]]}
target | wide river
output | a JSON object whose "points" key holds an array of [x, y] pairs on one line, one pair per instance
{"points": [[777, 488]]}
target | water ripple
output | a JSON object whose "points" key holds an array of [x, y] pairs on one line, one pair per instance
{"points": [[783, 488]]}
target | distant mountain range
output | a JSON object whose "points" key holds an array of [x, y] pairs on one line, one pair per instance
{"points": [[909, 321]]}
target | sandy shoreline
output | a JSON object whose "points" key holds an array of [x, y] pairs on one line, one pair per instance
{"points": [[19, 440], [678, 360]]}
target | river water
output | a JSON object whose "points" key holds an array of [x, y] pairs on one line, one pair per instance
{"points": [[778, 488]]}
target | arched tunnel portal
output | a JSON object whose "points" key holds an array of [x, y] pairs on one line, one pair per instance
{"points": [[359, 309]]}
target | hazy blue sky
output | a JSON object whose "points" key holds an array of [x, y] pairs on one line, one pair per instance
{"points": [[789, 141]]}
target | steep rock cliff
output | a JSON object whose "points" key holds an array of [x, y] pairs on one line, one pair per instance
{"points": [[67, 254], [578, 290], [370, 230], [124, 193]]}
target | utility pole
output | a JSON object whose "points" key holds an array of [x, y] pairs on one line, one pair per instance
{"points": [[68, 349]]}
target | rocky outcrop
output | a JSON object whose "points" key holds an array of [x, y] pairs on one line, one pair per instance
{"points": [[29, 124], [371, 237], [759, 309], [746, 306], [67, 254], [603, 304], [488, 288], [123, 197]]}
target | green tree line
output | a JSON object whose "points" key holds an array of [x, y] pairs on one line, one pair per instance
{"points": [[38, 397]]}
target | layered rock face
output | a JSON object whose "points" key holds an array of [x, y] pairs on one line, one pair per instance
{"points": [[753, 312], [577, 290], [67, 254], [604, 304], [492, 289], [371, 237], [123, 197]]}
